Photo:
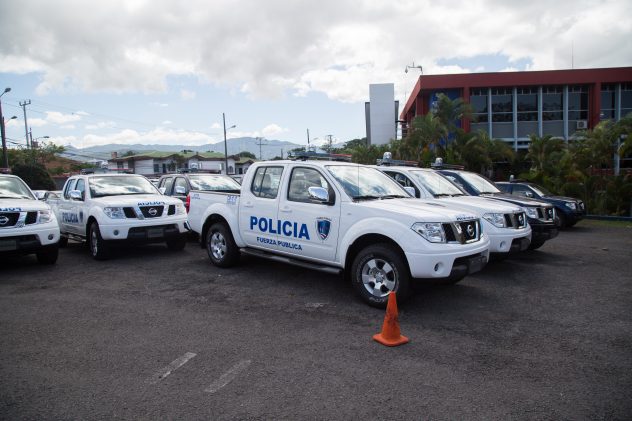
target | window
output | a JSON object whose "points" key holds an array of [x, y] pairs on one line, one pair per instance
{"points": [[527, 99], [156, 168], [181, 182], [266, 182], [403, 181], [70, 186], [119, 165], [577, 103], [81, 186], [522, 190], [552, 103], [478, 101], [502, 105], [626, 99], [301, 180], [167, 183]]}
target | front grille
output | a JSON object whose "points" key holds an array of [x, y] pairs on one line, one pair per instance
{"points": [[463, 231], [8, 219], [31, 218], [129, 212], [545, 214], [515, 220], [152, 211]]}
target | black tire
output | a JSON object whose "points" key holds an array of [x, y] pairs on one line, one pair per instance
{"points": [[178, 243], [63, 242], [48, 255], [376, 271], [99, 249], [536, 244], [220, 246]]}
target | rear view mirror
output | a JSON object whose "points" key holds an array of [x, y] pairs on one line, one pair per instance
{"points": [[318, 194]]}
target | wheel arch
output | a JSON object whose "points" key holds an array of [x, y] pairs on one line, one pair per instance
{"points": [[210, 220], [371, 239]]}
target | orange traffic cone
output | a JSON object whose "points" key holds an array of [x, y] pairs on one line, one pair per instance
{"points": [[391, 335]]}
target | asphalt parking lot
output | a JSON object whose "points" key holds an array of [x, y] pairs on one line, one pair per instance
{"points": [[153, 334]]}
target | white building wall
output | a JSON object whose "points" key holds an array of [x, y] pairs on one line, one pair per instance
{"points": [[145, 167], [382, 113]]}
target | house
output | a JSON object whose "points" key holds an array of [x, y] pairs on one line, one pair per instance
{"points": [[157, 163]]}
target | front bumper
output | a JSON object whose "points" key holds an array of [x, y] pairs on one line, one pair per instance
{"points": [[450, 260], [29, 238], [543, 232], [149, 231]]}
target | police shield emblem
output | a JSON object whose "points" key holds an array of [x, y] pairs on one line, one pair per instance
{"points": [[323, 225]]}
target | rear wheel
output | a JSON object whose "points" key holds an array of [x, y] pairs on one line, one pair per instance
{"points": [[48, 255], [220, 246], [98, 247], [377, 271]]}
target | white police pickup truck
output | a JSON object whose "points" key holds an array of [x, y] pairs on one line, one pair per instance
{"points": [[103, 209], [505, 224], [27, 225], [340, 218]]}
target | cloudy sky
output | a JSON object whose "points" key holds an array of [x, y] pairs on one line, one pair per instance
{"points": [[158, 71]]}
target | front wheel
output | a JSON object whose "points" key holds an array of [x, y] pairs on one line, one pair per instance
{"points": [[98, 247], [377, 271], [220, 246]]}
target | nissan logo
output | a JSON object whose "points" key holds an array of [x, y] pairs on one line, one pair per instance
{"points": [[470, 230], [3, 220], [152, 211]]}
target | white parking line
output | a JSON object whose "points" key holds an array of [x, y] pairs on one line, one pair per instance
{"points": [[176, 364], [228, 377]]}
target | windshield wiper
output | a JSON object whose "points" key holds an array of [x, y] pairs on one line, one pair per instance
{"points": [[442, 195], [365, 197], [393, 196], [14, 197]]}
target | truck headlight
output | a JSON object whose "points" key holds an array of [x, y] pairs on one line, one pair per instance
{"points": [[531, 212], [45, 216], [496, 219], [180, 209], [114, 212], [431, 231], [571, 205]]}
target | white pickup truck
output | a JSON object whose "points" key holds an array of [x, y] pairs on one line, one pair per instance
{"points": [[103, 209], [505, 224], [340, 218], [27, 225]]}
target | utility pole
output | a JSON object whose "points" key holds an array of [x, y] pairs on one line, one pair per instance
{"points": [[307, 140], [26, 126], [259, 142], [329, 141]]}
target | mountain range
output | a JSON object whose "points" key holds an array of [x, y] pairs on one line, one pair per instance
{"points": [[269, 149]]}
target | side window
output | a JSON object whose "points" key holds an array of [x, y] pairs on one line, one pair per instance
{"points": [[168, 184], [301, 180], [266, 182], [404, 181], [81, 186], [180, 182], [505, 188], [522, 190], [70, 186]]}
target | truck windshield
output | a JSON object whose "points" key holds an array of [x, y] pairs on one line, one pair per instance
{"points": [[436, 184], [120, 185], [364, 183], [213, 183], [14, 188], [479, 183]]}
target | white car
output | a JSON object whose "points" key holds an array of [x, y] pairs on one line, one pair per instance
{"points": [[104, 209], [505, 224], [27, 225]]}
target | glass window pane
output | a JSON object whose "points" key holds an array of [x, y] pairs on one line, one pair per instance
{"points": [[528, 102], [626, 99], [479, 104], [501, 103], [552, 102]]}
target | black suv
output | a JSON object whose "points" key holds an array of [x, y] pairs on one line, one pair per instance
{"points": [[569, 211], [179, 185], [541, 215]]}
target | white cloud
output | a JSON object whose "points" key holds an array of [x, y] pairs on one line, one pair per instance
{"points": [[35, 122], [101, 125], [158, 136], [56, 117], [167, 122], [159, 104], [67, 126], [270, 48], [273, 130]]}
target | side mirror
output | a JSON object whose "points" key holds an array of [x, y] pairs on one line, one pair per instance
{"points": [[410, 190], [162, 190], [528, 194], [180, 190], [76, 195], [318, 194]]}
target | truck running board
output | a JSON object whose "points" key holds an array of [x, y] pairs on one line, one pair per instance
{"points": [[289, 260]]}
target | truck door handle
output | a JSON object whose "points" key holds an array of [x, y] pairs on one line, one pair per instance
{"points": [[286, 209], [248, 205]]}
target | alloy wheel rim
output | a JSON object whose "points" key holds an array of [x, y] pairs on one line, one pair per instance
{"points": [[379, 277]]}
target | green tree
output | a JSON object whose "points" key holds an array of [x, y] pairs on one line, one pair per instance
{"points": [[246, 154], [35, 175]]}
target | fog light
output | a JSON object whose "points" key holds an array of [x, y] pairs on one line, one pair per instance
{"points": [[116, 232], [502, 245], [437, 267], [51, 236]]}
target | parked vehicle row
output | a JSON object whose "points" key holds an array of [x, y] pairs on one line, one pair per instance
{"points": [[382, 227]]}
